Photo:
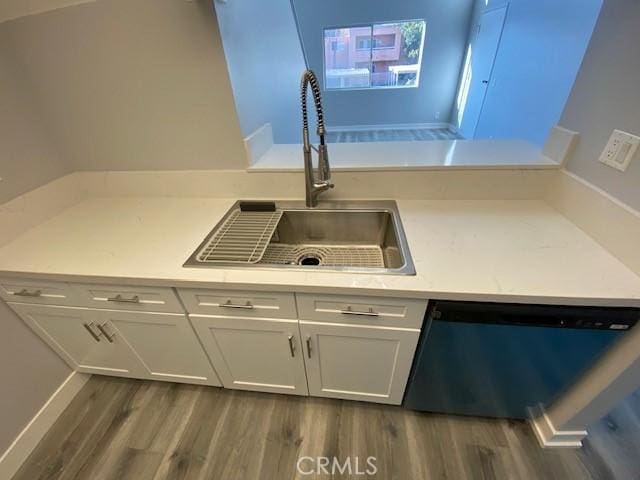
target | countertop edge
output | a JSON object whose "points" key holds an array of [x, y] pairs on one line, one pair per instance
{"points": [[297, 288]]}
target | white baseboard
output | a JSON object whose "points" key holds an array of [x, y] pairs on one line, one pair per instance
{"points": [[550, 437], [28, 439], [391, 126]]}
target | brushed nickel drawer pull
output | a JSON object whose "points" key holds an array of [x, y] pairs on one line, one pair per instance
{"points": [[26, 293], [368, 313], [246, 306], [309, 347], [292, 347], [88, 326], [120, 299], [108, 336]]}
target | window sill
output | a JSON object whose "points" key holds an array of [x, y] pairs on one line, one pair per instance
{"points": [[427, 155]]}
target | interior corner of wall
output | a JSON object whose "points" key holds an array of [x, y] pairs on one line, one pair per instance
{"points": [[258, 143], [560, 144]]}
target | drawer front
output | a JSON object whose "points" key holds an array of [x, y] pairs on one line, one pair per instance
{"points": [[37, 291], [361, 310], [239, 303], [127, 297]]}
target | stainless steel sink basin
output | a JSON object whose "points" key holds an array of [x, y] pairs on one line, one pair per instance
{"points": [[354, 236]]}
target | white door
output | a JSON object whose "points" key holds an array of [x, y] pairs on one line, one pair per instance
{"points": [[75, 334], [165, 343], [358, 362], [478, 72], [254, 354]]}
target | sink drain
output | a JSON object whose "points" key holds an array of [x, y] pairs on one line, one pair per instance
{"points": [[361, 256], [309, 260]]}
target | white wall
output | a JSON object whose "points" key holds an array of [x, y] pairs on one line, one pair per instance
{"points": [[606, 96], [542, 46], [29, 154], [115, 84], [132, 84], [265, 63], [29, 374]]}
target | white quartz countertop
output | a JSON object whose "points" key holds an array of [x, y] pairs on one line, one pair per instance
{"points": [[427, 155], [519, 251]]}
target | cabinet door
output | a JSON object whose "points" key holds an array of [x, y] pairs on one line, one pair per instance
{"points": [[74, 334], [166, 345], [251, 354], [358, 362]]}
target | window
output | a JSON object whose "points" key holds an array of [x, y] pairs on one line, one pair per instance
{"points": [[382, 55], [363, 43]]}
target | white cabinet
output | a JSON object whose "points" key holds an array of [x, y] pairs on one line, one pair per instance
{"points": [[74, 334], [132, 344], [361, 310], [241, 303], [340, 346], [165, 343], [127, 297], [358, 362], [254, 354], [37, 291]]}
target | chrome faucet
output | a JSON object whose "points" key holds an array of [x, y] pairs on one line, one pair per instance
{"points": [[314, 187]]}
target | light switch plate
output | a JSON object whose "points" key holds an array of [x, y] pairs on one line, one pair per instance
{"points": [[620, 149]]}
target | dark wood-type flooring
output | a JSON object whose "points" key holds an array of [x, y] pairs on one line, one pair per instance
{"points": [[129, 429]]}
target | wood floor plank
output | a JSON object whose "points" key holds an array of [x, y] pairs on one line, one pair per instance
{"points": [[284, 438], [129, 429], [616, 440], [136, 464], [112, 423], [73, 437], [435, 454], [187, 457], [239, 448]]}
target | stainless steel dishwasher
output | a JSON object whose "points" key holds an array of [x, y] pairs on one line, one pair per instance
{"points": [[497, 360]]}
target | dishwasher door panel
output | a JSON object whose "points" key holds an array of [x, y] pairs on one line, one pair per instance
{"points": [[498, 370]]}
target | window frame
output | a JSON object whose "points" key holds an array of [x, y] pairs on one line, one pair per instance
{"points": [[372, 25]]}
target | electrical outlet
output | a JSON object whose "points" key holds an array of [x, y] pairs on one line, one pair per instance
{"points": [[620, 149]]}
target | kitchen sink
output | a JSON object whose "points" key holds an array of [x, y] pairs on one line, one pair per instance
{"points": [[344, 236]]}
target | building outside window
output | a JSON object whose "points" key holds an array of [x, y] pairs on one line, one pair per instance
{"points": [[382, 55]]}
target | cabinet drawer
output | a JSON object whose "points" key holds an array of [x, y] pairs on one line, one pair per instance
{"points": [[37, 291], [239, 303], [127, 297], [392, 312]]}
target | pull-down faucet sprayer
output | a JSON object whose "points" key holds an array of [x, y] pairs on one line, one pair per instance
{"points": [[314, 187]]}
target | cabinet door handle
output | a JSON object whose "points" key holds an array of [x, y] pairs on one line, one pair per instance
{"points": [[26, 293], [368, 313], [309, 347], [108, 336], [120, 299], [87, 326], [246, 306], [292, 347]]}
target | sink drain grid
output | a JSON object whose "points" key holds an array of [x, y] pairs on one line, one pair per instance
{"points": [[365, 256]]}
